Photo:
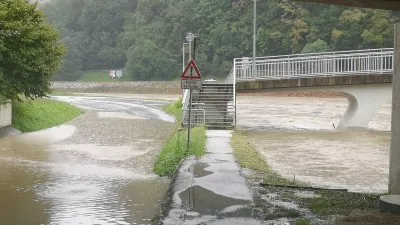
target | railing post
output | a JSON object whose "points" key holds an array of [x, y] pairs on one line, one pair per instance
{"points": [[381, 61], [234, 92]]}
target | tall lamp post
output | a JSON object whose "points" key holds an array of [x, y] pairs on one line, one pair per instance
{"points": [[254, 37]]}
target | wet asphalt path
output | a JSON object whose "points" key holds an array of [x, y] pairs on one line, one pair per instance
{"points": [[97, 169]]}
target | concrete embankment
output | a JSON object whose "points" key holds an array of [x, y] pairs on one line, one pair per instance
{"points": [[143, 87]]}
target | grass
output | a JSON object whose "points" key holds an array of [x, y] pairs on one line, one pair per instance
{"points": [[341, 203], [175, 150], [2, 99], [39, 114], [248, 157], [326, 202], [100, 76], [303, 222], [175, 108]]}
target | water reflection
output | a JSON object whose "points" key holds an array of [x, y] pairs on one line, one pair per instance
{"points": [[82, 173]]}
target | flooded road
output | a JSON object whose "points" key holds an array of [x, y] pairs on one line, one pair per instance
{"points": [[297, 138], [96, 169]]}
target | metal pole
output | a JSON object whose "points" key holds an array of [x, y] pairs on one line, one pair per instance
{"points": [[190, 118], [183, 60], [254, 38], [190, 50]]}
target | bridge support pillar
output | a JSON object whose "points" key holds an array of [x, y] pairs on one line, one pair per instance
{"points": [[394, 164], [364, 101]]}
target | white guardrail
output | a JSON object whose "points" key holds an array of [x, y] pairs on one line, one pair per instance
{"points": [[369, 61]]}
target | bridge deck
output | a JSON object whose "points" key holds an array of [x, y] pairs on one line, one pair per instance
{"points": [[262, 85]]}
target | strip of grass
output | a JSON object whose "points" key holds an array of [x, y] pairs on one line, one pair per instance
{"points": [[248, 157], [175, 108], [100, 76], [39, 114], [175, 150]]}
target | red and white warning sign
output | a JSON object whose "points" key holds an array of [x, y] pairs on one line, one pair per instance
{"points": [[191, 77], [191, 71]]}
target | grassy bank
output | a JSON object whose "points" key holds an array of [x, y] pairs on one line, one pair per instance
{"points": [[249, 158], [100, 76], [39, 114], [175, 150], [322, 203]]}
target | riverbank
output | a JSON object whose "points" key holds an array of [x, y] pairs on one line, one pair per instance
{"points": [[39, 114], [287, 199]]}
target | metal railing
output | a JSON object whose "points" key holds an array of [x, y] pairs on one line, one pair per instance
{"points": [[369, 61]]}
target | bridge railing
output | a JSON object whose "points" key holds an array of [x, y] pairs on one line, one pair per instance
{"points": [[370, 61]]}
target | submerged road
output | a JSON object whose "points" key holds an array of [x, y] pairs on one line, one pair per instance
{"points": [[97, 169]]}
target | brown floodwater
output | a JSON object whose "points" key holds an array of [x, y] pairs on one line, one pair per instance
{"points": [[297, 138], [96, 169]]}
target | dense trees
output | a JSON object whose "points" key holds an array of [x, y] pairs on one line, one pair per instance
{"points": [[30, 51], [145, 36]]}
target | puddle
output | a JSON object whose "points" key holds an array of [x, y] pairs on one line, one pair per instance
{"points": [[198, 170], [206, 202]]}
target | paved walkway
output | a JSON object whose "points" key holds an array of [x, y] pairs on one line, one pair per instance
{"points": [[211, 190]]}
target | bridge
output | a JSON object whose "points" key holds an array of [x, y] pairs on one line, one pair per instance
{"points": [[363, 76]]}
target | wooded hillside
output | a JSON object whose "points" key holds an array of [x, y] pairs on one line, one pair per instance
{"points": [[145, 36]]}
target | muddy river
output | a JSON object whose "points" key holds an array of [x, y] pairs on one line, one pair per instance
{"points": [[297, 138], [96, 169]]}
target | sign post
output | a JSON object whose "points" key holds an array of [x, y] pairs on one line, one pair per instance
{"points": [[191, 79]]}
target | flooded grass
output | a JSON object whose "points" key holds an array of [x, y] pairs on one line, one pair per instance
{"points": [[319, 204], [341, 203], [39, 114], [249, 158]]}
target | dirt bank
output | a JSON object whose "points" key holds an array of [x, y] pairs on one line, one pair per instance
{"points": [[157, 87], [145, 87]]}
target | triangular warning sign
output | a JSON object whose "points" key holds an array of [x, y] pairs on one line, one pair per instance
{"points": [[191, 71]]}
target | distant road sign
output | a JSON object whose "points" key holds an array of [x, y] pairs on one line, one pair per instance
{"points": [[191, 72], [191, 84]]}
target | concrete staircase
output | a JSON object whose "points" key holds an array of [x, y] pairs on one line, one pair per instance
{"points": [[213, 106]]}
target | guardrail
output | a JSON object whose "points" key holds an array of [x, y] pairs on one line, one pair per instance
{"points": [[369, 61]]}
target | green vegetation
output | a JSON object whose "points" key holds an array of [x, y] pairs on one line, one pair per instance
{"points": [[340, 203], [29, 48], [303, 222], [175, 108], [34, 115], [175, 150], [2, 99], [248, 157], [100, 76], [146, 37]]}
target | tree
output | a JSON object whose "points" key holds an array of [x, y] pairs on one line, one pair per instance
{"points": [[30, 51], [317, 46]]}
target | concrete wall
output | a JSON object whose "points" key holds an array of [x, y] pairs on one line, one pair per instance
{"points": [[5, 114], [281, 84]]}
